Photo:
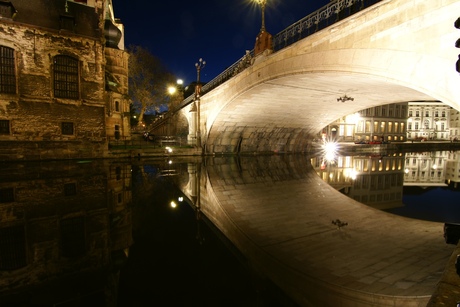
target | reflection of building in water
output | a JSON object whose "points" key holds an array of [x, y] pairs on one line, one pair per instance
{"points": [[453, 168], [338, 173], [425, 169], [376, 181], [64, 229]]}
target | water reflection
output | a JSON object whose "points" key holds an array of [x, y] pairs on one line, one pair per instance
{"points": [[115, 233], [65, 232], [131, 233], [415, 184]]}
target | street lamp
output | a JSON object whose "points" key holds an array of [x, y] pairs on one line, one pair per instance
{"points": [[199, 66], [262, 4], [174, 102]]}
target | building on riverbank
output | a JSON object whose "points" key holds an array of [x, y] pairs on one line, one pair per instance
{"points": [[398, 122], [63, 79], [387, 122], [429, 120]]}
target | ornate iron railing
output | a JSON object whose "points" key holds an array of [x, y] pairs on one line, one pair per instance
{"points": [[316, 21]]}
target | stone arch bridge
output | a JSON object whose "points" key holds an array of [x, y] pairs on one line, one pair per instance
{"points": [[392, 51], [277, 101]]}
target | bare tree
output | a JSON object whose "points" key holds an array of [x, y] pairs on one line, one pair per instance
{"points": [[148, 81]]}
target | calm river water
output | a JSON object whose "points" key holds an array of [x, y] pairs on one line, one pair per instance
{"points": [[122, 233]]}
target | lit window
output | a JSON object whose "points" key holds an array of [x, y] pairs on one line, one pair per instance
{"points": [[66, 77], [7, 70]]}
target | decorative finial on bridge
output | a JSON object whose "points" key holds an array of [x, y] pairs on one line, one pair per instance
{"points": [[345, 98]]}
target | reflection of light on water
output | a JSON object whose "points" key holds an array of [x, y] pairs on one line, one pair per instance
{"points": [[350, 173]]}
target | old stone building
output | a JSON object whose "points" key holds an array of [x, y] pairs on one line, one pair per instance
{"points": [[63, 79]]}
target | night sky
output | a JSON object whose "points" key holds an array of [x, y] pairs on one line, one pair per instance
{"points": [[219, 31]]}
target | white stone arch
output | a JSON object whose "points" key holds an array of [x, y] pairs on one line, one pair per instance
{"points": [[407, 60]]}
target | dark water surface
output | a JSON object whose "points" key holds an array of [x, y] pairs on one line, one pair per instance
{"points": [[104, 233], [176, 259]]}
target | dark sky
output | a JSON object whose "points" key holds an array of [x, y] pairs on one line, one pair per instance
{"points": [[219, 31]]}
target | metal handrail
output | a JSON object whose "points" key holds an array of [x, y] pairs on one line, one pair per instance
{"points": [[316, 21]]}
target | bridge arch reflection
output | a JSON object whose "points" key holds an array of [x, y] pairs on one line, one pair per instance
{"points": [[280, 215]]}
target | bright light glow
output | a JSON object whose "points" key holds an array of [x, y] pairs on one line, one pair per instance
{"points": [[168, 149], [350, 173], [353, 174], [180, 81], [406, 171], [172, 90], [170, 162], [173, 204], [435, 166], [353, 118], [330, 151], [180, 199]]}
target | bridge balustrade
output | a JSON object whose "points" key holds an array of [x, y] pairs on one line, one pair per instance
{"points": [[310, 24]]}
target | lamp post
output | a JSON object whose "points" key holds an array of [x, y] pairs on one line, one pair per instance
{"points": [[176, 96], [199, 66], [262, 4]]}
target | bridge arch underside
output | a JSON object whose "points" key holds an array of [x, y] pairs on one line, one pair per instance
{"points": [[286, 113]]}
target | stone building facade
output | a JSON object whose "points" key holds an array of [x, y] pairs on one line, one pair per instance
{"points": [[387, 122], [429, 120], [63, 79]]}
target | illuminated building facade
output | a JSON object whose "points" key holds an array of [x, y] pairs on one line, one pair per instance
{"points": [[387, 122], [429, 120], [63, 79], [454, 124]]}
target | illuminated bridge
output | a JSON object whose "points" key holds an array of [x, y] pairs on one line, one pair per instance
{"points": [[277, 101]]}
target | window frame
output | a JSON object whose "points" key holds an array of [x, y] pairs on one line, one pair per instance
{"points": [[66, 77], [65, 128], [5, 127], [8, 82]]}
